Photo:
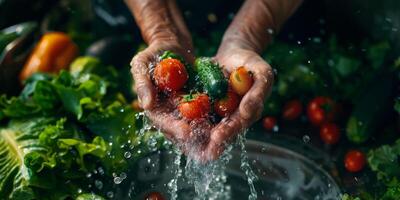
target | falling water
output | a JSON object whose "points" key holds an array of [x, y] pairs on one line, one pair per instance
{"points": [[245, 166], [173, 183]]}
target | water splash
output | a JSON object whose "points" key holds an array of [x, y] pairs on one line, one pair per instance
{"points": [[209, 180], [245, 166], [173, 183]]}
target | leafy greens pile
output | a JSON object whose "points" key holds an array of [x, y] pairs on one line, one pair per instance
{"points": [[63, 129]]}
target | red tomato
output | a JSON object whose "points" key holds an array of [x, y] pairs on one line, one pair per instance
{"points": [[227, 105], [170, 75], [154, 196], [320, 110], [195, 108], [269, 123], [354, 161], [241, 81], [292, 110], [329, 133]]}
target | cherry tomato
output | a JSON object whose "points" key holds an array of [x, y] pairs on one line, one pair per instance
{"points": [[226, 106], [269, 123], [320, 110], [329, 133], [136, 106], [241, 81], [196, 107], [170, 75], [154, 196], [354, 161], [292, 110]]}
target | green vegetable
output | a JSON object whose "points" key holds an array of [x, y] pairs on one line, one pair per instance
{"points": [[385, 161], [89, 197], [370, 110], [397, 105], [62, 128], [211, 77]]}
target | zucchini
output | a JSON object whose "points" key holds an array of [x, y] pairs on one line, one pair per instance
{"points": [[370, 109], [211, 77]]}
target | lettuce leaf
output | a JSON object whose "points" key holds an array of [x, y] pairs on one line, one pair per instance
{"points": [[62, 128]]}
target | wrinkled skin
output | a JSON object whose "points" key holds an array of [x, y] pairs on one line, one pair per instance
{"points": [[163, 29]]}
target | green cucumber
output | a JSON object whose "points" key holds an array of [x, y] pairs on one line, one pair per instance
{"points": [[211, 77], [370, 109]]}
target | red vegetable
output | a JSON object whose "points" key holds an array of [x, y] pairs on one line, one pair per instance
{"points": [[227, 105], [292, 110], [170, 75], [154, 196], [329, 133], [241, 81], [195, 106], [354, 161], [321, 110], [269, 123]]}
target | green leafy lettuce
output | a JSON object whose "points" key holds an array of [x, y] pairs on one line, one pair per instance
{"points": [[62, 128]]}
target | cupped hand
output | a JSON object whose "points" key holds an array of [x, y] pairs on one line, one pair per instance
{"points": [[251, 105], [161, 113]]}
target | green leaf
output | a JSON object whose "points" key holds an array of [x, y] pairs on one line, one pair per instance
{"points": [[346, 65], [376, 54], [97, 148], [15, 143], [397, 105], [89, 197], [44, 95], [71, 100], [384, 161]]}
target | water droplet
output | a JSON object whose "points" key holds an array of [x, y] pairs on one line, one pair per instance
{"points": [[88, 175], [306, 138], [123, 175], [275, 128], [331, 63], [275, 71], [270, 31], [110, 194], [101, 171], [79, 191], [127, 154], [299, 42], [98, 184], [118, 180]]}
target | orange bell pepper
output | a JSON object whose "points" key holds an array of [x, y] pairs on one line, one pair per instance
{"points": [[54, 52]]}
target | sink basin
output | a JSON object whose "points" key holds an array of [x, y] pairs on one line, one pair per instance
{"points": [[282, 174]]}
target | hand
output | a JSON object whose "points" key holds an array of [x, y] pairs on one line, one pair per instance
{"points": [[160, 113], [251, 105]]}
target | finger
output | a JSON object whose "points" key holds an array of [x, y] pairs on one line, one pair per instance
{"points": [[252, 104], [174, 129], [223, 134], [143, 84]]}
